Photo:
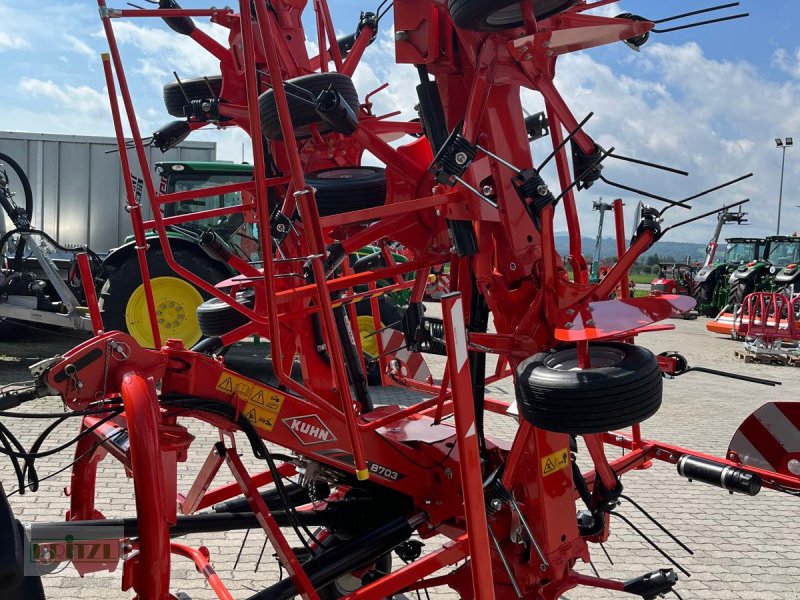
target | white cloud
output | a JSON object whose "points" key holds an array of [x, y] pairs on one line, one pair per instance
{"points": [[159, 47], [378, 67], [788, 62], [80, 47], [12, 42], [715, 119], [80, 99]]}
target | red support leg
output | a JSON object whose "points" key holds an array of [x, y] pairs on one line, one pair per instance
{"points": [[151, 579], [469, 463], [271, 528]]}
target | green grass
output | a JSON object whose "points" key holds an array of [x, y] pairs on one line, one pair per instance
{"points": [[642, 277]]}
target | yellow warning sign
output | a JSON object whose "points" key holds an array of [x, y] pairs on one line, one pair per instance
{"points": [[262, 405], [555, 462]]}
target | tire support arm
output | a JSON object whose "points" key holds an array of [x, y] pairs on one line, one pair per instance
{"points": [[435, 125]]}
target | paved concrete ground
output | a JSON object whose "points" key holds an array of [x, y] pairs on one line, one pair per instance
{"points": [[745, 548]]}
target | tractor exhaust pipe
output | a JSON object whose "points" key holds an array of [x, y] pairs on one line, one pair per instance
{"points": [[719, 474], [344, 558]]}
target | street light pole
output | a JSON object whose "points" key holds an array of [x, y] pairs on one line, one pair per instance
{"points": [[782, 145]]}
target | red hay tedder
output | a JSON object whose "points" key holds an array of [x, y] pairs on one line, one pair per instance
{"points": [[465, 190]]}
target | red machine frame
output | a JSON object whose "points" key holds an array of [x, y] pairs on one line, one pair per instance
{"points": [[517, 269]]}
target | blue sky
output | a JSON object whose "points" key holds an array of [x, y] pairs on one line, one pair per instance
{"points": [[710, 100]]}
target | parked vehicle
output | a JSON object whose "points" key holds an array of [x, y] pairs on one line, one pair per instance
{"points": [[784, 256], [774, 270], [674, 278], [711, 280], [40, 294]]}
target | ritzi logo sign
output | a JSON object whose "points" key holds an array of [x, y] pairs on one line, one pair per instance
{"points": [[309, 430], [49, 549]]}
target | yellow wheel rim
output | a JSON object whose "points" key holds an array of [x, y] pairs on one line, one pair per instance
{"points": [[176, 303], [369, 343]]}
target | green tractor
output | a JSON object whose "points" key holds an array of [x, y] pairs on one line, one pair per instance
{"points": [[714, 282], [177, 301], [774, 271], [122, 297], [784, 258]]}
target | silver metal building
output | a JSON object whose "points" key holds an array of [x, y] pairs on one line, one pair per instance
{"points": [[78, 193]]}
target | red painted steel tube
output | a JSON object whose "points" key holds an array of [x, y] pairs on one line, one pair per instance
{"points": [[589, 581], [671, 453], [202, 481], [450, 553], [467, 439], [271, 528], [227, 188], [226, 492], [630, 461], [213, 47], [594, 444], [619, 228], [268, 36], [322, 42], [327, 25], [87, 281], [625, 291], [570, 210], [202, 214], [164, 13], [556, 103], [151, 191], [357, 51], [374, 307], [141, 413], [615, 275], [400, 414], [261, 196], [83, 481], [133, 207], [201, 561], [403, 167], [308, 209], [548, 251]]}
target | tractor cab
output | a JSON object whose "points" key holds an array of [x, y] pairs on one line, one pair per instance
{"points": [[743, 250], [783, 250], [673, 278], [784, 259], [236, 229]]}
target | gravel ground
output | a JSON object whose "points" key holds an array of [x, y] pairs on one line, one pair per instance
{"points": [[744, 548]]}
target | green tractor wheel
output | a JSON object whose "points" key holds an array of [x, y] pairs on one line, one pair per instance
{"points": [[124, 305]]}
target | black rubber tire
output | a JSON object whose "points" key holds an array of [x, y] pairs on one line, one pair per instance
{"points": [[196, 89], [27, 192], [739, 290], [344, 189], [623, 391], [498, 15], [124, 280], [302, 113], [216, 318], [704, 294]]}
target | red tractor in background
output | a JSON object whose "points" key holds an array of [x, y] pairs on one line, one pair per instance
{"points": [[674, 278], [519, 514]]}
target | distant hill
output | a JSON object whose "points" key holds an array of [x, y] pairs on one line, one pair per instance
{"points": [[678, 250]]}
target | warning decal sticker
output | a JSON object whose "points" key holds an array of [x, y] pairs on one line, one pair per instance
{"points": [[555, 462], [262, 405]]}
